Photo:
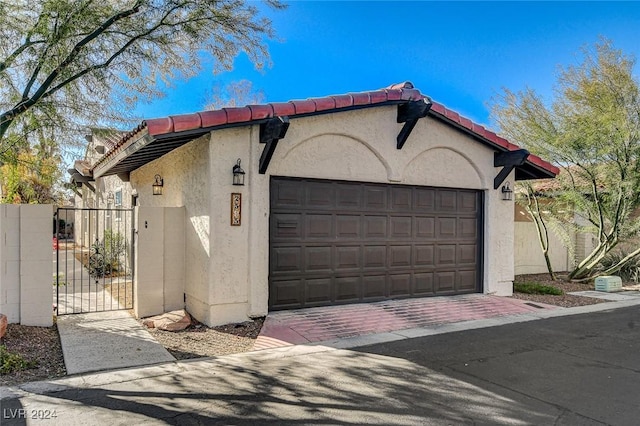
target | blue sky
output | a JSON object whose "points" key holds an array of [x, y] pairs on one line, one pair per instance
{"points": [[459, 53]]}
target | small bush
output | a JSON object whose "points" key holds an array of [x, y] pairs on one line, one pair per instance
{"points": [[535, 288], [10, 362], [629, 272], [105, 255], [58, 280]]}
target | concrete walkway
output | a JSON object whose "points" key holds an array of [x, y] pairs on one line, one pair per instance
{"points": [[105, 341]]}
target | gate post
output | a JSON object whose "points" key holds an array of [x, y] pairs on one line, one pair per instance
{"points": [[35, 265]]}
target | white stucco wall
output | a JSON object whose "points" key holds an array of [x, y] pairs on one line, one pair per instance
{"points": [[357, 146]]}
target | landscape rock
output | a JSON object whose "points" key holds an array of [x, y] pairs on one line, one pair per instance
{"points": [[169, 321]]}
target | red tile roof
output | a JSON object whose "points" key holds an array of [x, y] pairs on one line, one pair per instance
{"points": [[254, 113]]}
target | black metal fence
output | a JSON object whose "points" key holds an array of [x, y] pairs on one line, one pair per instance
{"points": [[93, 260]]}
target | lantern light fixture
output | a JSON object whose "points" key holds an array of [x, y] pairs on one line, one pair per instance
{"points": [[157, 185], [238, 174], [507, 192]]}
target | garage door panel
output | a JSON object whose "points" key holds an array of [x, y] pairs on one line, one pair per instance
{"points": [[375, 257], [286, 259], [423, 255], [468, 228], [317, 291], [346, 242], [467, 254], [400, 285], [401, 199], [286, 227], [375, 227], [286, 293], [348, 258], [446, 227], [467, 202], [318, 259], [425, 227], [400, 227], [399, 256], [287, 194], [374, 287], [348, 226], [467, 280], [318, 226], [347, 289], [446, 200], [423, 283], [375, 198], [445, 281], [348, 196], [445, 255], [320, 196]]}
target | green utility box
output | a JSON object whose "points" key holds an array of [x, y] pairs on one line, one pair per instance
{"points": [[609, 283]]}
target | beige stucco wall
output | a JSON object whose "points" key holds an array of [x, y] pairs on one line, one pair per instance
{"points": [[358, 146], [160, 260], [185, 172], [528, 254], [26, 253]]}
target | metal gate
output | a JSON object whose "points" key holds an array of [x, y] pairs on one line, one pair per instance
{"points": [[93, 260]]}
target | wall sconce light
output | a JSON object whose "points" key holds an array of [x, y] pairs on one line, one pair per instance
{"points": [[157, 185], [507, 192], [110, 198], [238, 174]]}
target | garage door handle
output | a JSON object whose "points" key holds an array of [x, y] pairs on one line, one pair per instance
{"points": [[287, 224]]}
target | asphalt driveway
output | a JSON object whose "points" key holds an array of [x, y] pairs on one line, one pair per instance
{"points": [[580, 369], [587, 366]]}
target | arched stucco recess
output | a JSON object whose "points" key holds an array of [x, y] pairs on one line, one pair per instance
{"points": [[332, 154], [444, 169]]}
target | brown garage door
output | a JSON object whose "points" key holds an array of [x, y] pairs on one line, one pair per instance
{"points": [[345, 242]]}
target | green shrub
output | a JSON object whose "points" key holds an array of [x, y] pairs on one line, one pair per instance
{"points": [[629, 272], [58, 280], [10, 362], [105, 256], [536, 288]]}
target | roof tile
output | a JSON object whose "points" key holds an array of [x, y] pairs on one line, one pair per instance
{"points": [[283, 108], [452, 115], [185, 122], [439, 108], [323, 104], [411, 95], [360, 98], [304, 106], [343, 101], [394, 94], [159, 126], [378, 96], [213, 118], [238, 115], [259, 112], [464, 122]]}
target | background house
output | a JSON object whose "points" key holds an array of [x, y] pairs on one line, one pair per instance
{"points": [[347, 199]]}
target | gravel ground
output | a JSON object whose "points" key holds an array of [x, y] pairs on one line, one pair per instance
{"points": [[198, 340], [565, 300], [39, 344]]}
